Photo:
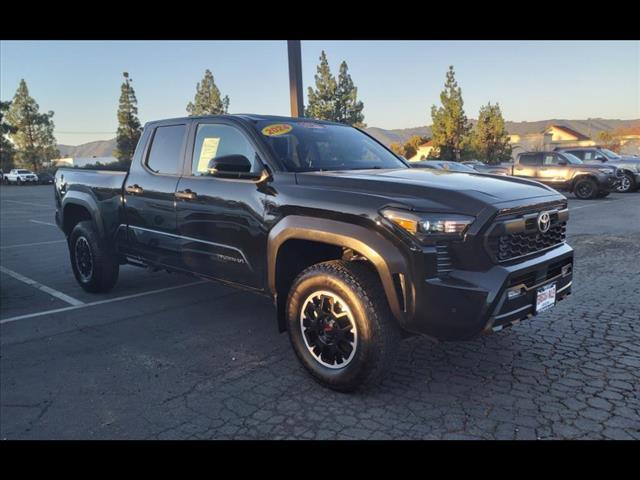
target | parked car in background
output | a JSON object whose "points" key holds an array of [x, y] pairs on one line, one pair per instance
{"points": [[501, 169], [630, 165], [443, 165], [564, 171], [45, 178], [20, 176]]}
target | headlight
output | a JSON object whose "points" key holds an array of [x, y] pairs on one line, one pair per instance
{"points": [[425, 226]]}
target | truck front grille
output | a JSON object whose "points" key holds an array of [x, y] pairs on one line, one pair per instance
{"points": [[521, 244], [517, 235]]}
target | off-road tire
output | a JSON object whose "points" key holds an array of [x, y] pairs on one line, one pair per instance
{"points": [[105, 266], [585, 189], [378, 335]]}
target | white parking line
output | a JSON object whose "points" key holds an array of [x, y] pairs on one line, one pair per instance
{"points": [[43, 288], [31, 244], [28, 203], [99, 302], [43, 223]]}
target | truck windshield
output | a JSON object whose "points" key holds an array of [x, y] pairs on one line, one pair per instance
{"points": [[571, 158], [611, 155], [307, 146]]}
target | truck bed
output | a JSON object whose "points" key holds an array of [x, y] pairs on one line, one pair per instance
{"points": [[100, 189]]}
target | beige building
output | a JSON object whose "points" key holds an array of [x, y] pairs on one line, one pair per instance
{"points": [[552, 137], [82, 161], [423, 152]]}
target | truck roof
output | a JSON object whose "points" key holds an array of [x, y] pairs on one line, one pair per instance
{"points": [[251, 117]]}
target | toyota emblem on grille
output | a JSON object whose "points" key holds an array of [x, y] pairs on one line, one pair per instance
{"points": [[544, 222]]}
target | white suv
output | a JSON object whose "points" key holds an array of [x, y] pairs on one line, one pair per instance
{"points": [[20, 176]]}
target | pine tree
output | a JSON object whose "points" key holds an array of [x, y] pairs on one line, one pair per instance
{"points": [[348, 109], [450, 129], [207, 100], [397, 148], [129, 127], [32, 131], [7, 150], [322, 101], [490, 137]]}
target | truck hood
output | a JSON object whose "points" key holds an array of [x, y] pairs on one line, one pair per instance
{"points": [[431, 190]]}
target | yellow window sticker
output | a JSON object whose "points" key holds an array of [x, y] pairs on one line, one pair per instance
{"points": [[208, 152], [276, 129]]}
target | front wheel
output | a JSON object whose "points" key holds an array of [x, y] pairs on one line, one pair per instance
{"points": [[627, 184], [94, 266], [585, 189], [340, 325]]}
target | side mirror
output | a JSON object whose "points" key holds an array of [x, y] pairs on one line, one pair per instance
{"points": [[230, 166], [562, 162]]}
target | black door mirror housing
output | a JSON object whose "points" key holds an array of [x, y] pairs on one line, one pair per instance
{"points": [[230, 166]]}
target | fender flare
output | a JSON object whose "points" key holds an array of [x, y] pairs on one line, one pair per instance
{"points": [[384, 255], [85, 200], [581, 176]]}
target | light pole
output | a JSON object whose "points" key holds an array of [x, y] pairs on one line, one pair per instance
{"points": [[295, 78]]}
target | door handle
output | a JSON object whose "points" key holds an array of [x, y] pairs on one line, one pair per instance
{"points": [[134, 189], [186, 195]]}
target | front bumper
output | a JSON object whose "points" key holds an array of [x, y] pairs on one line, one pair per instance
{"points": [[464, 304]]}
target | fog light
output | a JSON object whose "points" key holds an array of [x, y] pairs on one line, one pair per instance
{"points": [[514, 293]]}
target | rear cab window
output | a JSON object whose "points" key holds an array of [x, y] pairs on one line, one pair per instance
{"points": [[530, 159], [165, 153]]}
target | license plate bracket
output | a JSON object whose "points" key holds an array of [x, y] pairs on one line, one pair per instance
{"points": [[545, 297]]}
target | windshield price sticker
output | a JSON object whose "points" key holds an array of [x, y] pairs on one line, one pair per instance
{"points": [[276, 129]]}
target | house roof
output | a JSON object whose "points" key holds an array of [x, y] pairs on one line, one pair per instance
{"points": [[426, 144], [570, 131]]}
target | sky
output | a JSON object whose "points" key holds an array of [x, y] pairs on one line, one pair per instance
{"points": [[398, 81]]}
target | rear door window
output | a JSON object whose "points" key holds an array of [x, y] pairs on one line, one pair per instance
{"points": [[165, 155], [531, 159]]}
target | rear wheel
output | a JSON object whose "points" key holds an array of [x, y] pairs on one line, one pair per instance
{"points": [[94, 266], [585, 189], [340, 325], [627, 184]]}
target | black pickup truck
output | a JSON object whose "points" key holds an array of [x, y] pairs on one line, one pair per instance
{"points": [[355, 248]]}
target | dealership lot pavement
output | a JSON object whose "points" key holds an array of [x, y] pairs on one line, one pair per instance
{"points": [[167, 356]]}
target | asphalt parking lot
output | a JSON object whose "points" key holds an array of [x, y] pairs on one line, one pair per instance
{"points": [[169, 357]]}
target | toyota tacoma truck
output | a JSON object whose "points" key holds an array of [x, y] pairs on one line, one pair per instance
{"points": [[356, 249], [564, 171], [629, 165]]}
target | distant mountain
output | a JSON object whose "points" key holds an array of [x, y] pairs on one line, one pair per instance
{"points": [[100, 148], [590, 127]]}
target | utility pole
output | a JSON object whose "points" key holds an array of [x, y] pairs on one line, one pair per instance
{"points": [[295, 78]]}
